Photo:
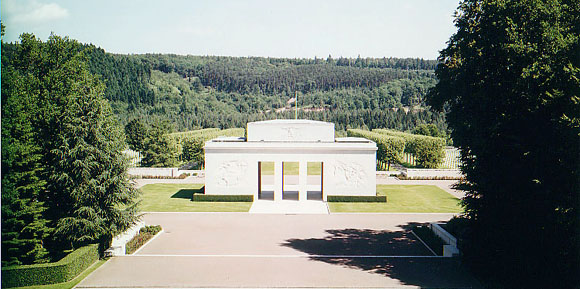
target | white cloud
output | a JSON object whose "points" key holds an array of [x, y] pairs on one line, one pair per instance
{"points": [[33, 11]]}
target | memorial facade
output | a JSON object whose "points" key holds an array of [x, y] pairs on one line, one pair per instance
{"points": [[243, 166]]}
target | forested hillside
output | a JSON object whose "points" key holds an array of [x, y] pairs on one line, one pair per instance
{"points": [[213, 91]]}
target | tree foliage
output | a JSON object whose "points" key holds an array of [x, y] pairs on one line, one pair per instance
{"points": [[152, 140], [192, 152], [136, 131], [73, 176], [510, 77], [212, 91], [23, 225], [428, 130], [209, 91]]}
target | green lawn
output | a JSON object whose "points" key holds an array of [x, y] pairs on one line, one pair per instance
{"points": [[70, 284], [291, 168], [403, 199], [400, 198], [177, 198]]}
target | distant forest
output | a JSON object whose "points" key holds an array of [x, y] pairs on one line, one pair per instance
{"points": [[213, 91]]}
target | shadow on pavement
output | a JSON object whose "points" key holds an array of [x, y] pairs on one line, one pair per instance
{"points": [[419, 271]]}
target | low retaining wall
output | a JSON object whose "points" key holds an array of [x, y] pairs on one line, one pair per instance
{"points": [[118, 244], [450, 249], [432, 173], [162, 172]]}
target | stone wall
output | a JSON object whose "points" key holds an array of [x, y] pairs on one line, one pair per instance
{"points": [[432, 173]]}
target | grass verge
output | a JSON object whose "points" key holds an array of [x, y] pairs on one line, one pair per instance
{"points": [[177, 198], [404, 199], [401, 199], [70, 284]]}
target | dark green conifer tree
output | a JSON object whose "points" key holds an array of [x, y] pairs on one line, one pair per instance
{"points": [[23, 224], [510, 78], [87, 194]]}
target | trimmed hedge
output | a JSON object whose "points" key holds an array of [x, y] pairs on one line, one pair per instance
{"points": [[389, 148], [357, 199], [195, 140], [63, 270], [428, 151], [222, 198]]}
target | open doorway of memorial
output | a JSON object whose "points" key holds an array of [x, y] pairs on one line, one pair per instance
{"points": [[266, 181], [315, 183], [289, 179]]}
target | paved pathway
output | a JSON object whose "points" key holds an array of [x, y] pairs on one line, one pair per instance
{"points": [[289, 207], [250, 250]]}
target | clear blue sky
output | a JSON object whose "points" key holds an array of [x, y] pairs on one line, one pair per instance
{"points": [[297, 28]]}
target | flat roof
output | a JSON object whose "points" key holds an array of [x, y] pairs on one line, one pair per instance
{"points": [[263, 146], [290, 130]]}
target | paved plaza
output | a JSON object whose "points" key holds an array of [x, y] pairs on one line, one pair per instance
{"points": [[298, 251]]}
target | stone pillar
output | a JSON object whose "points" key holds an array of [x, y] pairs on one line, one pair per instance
{"points": [[303, 181], [278, 180]]}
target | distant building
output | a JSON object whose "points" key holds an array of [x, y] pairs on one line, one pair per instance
{"points": [[238, 166]]}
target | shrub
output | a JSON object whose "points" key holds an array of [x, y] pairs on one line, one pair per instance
{"points": [[63, 270], [222, 198], [357, 199], [448, 178], [145, 234], [150, 229], [181, 177]]}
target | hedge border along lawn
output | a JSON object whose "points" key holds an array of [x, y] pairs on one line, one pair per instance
{"points": [[222, 198], [63, 270], [164, 197], [357, 199], [404, 199]]}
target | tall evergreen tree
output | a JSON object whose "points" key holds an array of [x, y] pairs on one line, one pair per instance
{"points": [[136, 132], [159, 150], [511, 79], [23, 224], [88, 197]]}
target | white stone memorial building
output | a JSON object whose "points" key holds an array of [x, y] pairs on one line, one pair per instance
{"points": [[236, 166]]}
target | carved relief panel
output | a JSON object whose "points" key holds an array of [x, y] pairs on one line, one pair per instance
{"points": [[231, 173]]}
